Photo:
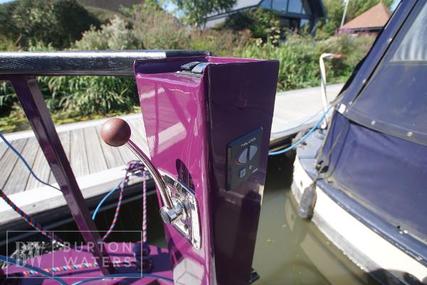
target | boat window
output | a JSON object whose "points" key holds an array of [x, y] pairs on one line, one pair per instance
{"points": [[394, 101], [414, 44]]}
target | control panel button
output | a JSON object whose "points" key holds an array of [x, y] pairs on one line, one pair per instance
{"points": [[243, 157], [252, 151], [242, 172]]}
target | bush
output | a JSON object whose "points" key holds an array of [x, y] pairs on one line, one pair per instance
{"points": [[7, 44], [55, 22], [219, 42], [299, 58], [263, 24], [88, 94], [85, 94], [115, 35], [7, 98], [156, 28]]}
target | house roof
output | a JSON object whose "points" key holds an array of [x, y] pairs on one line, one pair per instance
{"points": [[241, 4], [316, 6], [374, 18]]}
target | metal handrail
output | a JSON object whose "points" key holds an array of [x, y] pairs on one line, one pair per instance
{"points": [[114, 63]]}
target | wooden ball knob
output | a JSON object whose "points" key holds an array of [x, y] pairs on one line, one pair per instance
{"points": [[115, 132]]}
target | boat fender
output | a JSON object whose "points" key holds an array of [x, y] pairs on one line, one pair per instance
{"points": [[307, 202]]}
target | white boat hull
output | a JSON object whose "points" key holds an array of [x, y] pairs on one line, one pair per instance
{"points": [[362, 245]]}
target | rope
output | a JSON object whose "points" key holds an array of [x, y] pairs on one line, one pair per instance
{"points": [[29, 220], [134, 168], [27, 165], [304, 137], [144, 207], [98, 207], [119, 204], [32, 268]]}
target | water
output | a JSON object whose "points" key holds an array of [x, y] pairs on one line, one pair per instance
{"points": [[290, 250]]}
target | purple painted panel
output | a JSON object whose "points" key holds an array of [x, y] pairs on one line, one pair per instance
{"points": [[78, 264], [241, 100], [190, 121], [174, 117]]}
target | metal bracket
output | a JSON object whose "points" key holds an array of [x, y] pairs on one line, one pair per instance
{"points": [[186, 214]]}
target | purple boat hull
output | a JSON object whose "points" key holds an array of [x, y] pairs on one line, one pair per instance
{"points": [[190, 121], [208, 130]]}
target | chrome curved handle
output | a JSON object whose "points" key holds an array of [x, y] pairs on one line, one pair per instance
{"points": [[116, 132]]}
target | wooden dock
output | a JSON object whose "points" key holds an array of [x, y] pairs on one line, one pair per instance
{"points": [[99, 167]]}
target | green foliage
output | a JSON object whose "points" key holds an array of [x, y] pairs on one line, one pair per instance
{"points": [[155, 28], [148, 26], [335, 10], [7, 44], [263, 24], [149, 22], [115, 35], [14, 121], [219, 42], [55, 22], [91, 95], [299, 58], [7, 98], [196, 10]]}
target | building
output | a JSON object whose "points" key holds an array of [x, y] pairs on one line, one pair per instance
{"points": [[370, 22], [112, 5], [293, 13]]}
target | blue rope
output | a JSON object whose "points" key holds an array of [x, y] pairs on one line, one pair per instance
{"points": [[27, 165], [98, 207], [29, 267], [123, 275], [303, 138]]}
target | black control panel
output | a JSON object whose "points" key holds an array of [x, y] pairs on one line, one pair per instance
{"points": [[243, 158]]}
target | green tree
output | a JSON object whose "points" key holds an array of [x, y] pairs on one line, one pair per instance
{"points": [[156, 28], [115, 35], [196, 10], [263, 24], [51, 22]]}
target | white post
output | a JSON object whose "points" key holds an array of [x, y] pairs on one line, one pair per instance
{"points": [[345, 13], [323, 82]]}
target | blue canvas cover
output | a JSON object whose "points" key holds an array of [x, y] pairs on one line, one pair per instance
{"points": [[376, 151], [386, 174]]}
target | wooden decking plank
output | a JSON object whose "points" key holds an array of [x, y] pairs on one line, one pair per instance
{"points": [[41, 168], [64, 137], [78, 156], [19, 175], [111, 154], [138, 134], [3, 149], [126, 154], [95, 156], [8, 161]]}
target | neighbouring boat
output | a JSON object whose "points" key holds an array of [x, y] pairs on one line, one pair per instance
{"points": [[362, 181]]}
